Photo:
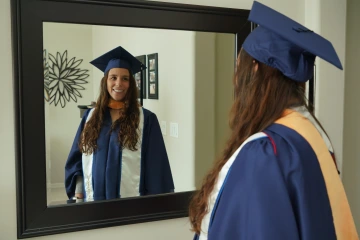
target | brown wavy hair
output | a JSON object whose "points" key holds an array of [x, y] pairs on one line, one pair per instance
{"points": [[261, 97], [129, 120]]}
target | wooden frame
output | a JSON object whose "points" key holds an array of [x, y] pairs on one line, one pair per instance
{"points": [[34, 217]]}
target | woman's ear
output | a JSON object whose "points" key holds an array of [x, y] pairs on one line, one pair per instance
{"points": [[256, 65]]}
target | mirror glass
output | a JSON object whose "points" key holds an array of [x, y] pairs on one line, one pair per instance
{"points": [[187, 94]]}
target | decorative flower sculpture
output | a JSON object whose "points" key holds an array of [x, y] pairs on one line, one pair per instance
{"points": [[64, 79]]}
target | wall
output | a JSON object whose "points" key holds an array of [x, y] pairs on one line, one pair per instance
{"points": [[204, 103], [329, 98], [224, 94], [336, 90], [215, 61], [174, 229], [351, 166], [7, 129], [62, 123]]}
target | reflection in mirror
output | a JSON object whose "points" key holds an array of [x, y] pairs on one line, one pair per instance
{"points": [[187, 86]]}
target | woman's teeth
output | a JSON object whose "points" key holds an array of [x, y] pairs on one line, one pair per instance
{"points": [[118, 91]]}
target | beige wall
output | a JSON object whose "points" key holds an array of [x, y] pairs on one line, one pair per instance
{"points": [[331, 114], [62, 123], [224, 92], [351, 166], [205, 102], [213, 97]]}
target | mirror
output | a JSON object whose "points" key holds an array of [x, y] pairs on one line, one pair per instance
{"points": [[191, 88], [186, 68]]}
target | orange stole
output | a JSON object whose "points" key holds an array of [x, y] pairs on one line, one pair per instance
{"points": [[116, 104], [343, 219]]}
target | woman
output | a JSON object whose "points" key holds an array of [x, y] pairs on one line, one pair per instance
{"points": [[276, 178], [118, 150]]}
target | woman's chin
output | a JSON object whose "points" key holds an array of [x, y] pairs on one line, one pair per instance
{"points": [[118, 99]]}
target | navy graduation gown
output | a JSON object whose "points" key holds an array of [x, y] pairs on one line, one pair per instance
{"points": [[274, 190], [107, 167]]}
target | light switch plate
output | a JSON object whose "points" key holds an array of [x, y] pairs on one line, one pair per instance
{"points": [[163, 127], [174, 130]]}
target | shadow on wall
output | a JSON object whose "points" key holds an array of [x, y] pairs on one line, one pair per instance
{"points": [[215, 61]]}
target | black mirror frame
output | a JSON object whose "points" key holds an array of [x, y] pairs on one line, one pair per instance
{"points": [[34, 217]]}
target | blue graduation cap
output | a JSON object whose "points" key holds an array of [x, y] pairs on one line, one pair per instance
{"points": [[118, 58], [286, 45]]}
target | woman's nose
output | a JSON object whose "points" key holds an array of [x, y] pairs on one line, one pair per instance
{"points": [[118, 82]]}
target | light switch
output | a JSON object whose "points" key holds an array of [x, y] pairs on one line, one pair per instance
{"points": [[163, 127], [174, 130]]}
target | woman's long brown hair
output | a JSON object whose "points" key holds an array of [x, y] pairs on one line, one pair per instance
{"points": [[261, 97], [129, 120]]}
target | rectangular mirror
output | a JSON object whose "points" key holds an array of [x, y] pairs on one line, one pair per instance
{"points": [[190, 94], [190, 54]]}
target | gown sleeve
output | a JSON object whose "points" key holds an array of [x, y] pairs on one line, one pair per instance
{"points": [[157, 175], [73, 166], [274, 192]]}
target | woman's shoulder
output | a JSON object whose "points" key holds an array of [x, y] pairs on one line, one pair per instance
{"points": [[147, 112], [284, 136], [283, 152], [282, 146], [88, 113], [297, 129]]}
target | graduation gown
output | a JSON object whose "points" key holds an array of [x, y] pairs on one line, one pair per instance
{"points": [[111, 172], [281, 184]]}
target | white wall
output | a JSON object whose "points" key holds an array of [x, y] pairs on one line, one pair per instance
{"points": [[336, 91], [7, 129], [351, 166], [62, 123], [174, 229], [329, 98]]}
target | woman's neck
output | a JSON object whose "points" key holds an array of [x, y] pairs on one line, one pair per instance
{"points": [[116, 109], [116, 104]]}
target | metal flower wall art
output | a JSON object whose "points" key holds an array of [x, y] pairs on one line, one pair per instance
{"points": [[63, 78], [46, 77]]}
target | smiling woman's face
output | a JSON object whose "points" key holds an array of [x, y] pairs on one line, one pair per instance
{"points": [[118, 83]]}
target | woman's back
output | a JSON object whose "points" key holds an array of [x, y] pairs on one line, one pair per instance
{"points": [[283, 186]]}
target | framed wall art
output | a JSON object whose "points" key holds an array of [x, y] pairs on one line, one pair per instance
{"points": [[153, 76], [141, 79]]}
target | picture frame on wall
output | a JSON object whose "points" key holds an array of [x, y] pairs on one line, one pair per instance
{"points": [[141, 83], [153, 76]]}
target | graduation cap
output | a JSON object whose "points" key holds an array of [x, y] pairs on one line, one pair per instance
{"points": [[286, 45], [118, 58]]}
